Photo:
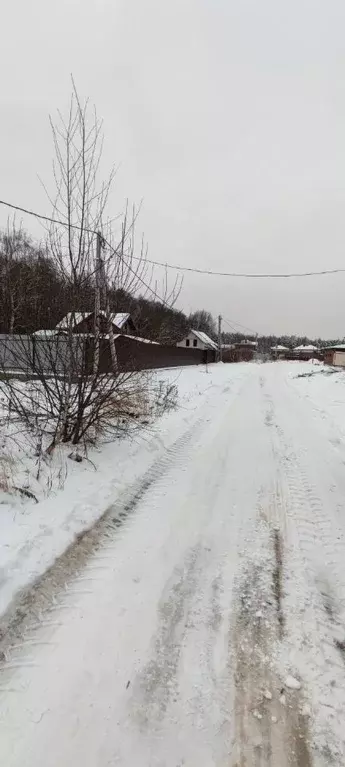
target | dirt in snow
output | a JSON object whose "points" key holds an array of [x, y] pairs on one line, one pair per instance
{"points": [[270, 726]]}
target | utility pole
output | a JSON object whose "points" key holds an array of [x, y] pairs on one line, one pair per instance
{"points": [[112, 346], [102, 302], [97, 302], [220, 338]]}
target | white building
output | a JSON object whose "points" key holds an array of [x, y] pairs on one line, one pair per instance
{"points": [[196, 339]]}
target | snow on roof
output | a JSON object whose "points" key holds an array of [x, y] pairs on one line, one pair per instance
{"points": [[279, 348], [205, 339], [75, 318], [119, 318], [134, 338], [46, 333], [335, 347], [307, 348]]}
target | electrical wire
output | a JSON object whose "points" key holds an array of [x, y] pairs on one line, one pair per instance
{"points": [[144, 260], [148, 287], [195, 270], [114, 251], [72, 226], [46, 218], [231, 324], [248, 275]]}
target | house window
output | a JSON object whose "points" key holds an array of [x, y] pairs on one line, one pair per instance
{"points": [[195, 343], [187, 341]]}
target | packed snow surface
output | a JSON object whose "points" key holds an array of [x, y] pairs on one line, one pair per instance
{"points": [[206, 627]]}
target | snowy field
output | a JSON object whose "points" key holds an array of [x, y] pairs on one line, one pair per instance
{"points": [[201, 620]]}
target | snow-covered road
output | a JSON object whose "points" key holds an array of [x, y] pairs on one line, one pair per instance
{"points": [[208, 629]]}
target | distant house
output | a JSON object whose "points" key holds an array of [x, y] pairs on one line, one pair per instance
{"points": [[279, 352], [197, 339], [242, 351], [84, 323], [334, 355], [305, 352]]}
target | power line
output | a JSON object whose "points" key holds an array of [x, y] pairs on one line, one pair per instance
{"points": [[114, 251], [231, 324], [65, 223], [137, 275], [254, 275], [208, 272], [47, 218], [90, 231], [148, 287]]}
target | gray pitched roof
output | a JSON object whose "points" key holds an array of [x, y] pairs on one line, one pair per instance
{"points": [[334, 347]]}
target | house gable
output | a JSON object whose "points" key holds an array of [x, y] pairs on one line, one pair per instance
{"points": [[84, 323], [197, 339]]}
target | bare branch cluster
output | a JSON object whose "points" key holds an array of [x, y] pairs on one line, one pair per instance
{"points": [[68, 394]]}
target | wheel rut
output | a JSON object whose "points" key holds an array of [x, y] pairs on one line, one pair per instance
{"points": [[38, 602], [313, 585], [269, 726]]}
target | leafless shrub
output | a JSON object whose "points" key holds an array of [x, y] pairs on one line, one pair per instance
{"points": [[67, 394], [165, 398]]}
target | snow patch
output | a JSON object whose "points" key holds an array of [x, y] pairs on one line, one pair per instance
{"points": [[292, 683]]}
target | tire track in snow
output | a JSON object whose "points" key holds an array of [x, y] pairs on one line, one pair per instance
{"points": [[188, 668], [35, 604], [314, 584], [269, 726], [312, 531], [201, 510], [157, 682], [40, 604]]}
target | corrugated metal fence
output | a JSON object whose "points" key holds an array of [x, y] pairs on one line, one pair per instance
{"points": [[57, 355], [31, 354]]}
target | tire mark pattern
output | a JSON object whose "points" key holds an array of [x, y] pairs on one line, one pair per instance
{"points": [[34, 604]]}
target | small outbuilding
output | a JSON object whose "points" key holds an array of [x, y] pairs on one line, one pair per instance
{"points": [[334, 355]]}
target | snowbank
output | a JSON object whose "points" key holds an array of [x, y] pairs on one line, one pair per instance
{"points": [[324, 388]]}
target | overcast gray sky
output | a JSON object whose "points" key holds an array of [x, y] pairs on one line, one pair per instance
{"points": [[226, 116]]}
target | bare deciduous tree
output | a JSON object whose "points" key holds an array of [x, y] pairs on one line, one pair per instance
{"points": [[15, 252], [72, 397], [203, 320]]}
